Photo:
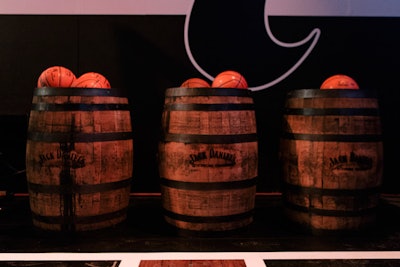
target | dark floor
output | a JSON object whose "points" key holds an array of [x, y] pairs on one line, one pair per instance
{"points": [[146, 231]]}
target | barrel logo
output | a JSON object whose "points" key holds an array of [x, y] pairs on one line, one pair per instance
{"points": [[351, 162], [212, 158], [59, 158]]}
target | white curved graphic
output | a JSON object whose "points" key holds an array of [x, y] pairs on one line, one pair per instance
{"points": [[187, 46], [314, 34]]}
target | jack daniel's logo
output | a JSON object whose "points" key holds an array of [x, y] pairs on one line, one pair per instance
{"points": [[351, 162], [59, 158], [212, 158]]}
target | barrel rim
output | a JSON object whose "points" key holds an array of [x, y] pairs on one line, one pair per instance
{"points": [[76, 91], [331, 93], [206, 91]]}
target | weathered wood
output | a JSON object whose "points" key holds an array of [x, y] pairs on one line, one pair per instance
{"points": [[79, 158], [208, 158], [332, 158]]}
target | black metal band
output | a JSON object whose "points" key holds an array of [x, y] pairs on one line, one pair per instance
{"points": [[208, 107], [203, 186], [180, 91], [65, 137], [209, 219], [73, 220], [78, 188], [332, 111], [209, 139], [331, 93], [313, 191], [333, 137], [78, 107], [335, 213], [75, 91]]}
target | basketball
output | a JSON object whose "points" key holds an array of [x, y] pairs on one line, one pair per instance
{"points": [[230, 79], [56, 76], [339, 81], [91, 80], [195, 82]]}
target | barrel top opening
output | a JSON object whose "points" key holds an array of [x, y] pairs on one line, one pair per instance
{"points": [[331, 93], [61, 91], [181, 91]]}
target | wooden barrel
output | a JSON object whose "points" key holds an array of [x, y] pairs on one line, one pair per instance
{"points": [[332, 157], [79, 158], [208, 158]]}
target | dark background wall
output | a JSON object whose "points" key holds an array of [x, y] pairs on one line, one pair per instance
{"points": [[145, 54]]}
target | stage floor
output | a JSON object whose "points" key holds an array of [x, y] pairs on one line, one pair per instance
{"points": [[145, 239]]}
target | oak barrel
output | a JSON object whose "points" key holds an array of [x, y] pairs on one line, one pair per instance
{"points": [[332, 159], [208, 158], [79, 158]]}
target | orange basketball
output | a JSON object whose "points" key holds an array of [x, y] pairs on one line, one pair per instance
{"points": [[195, 82], [339, 81], [91, 80], [56, 76], [230, 79]]}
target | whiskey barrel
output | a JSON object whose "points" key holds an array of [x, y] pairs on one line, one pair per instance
{"points": [[79, 157], [332, 159], [208, 159]]}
